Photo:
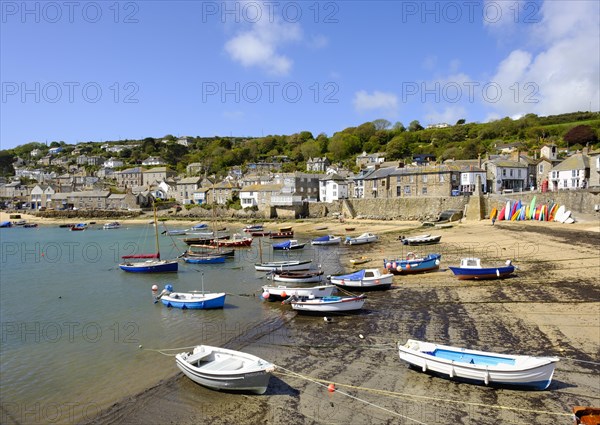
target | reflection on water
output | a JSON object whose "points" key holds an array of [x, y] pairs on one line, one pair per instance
{"points": [[73, 322]]}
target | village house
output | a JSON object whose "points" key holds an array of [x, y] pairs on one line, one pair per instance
{"points": [[594, 170], [153, 161], [40, 196], [365, 160], [572, 173], [505, 175], [317, 165], [224, 191], [333, 187], [296, 188], [357, 183], [431, 180], [186, 188], [194, 168], [258, 195], [130, 177], [156, 175], [88, 200], [112, 163]]}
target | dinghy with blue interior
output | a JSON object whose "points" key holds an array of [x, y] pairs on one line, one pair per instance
{"points": [[272, 293], [331, 304], [223, 369], [327, 240], [413, 264], [479, 366], [364, 279], [288, 245], [197, 300], [291, 265]]}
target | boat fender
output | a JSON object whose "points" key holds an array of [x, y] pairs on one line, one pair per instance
{"points": [[437, 262], [377, 282], [388, 265], [486, 379], [424, 367], [266, 295], [497, 272], [395, 265], [399, 269], [451, 374]]}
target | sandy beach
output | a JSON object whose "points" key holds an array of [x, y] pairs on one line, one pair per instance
{"points": [[551, 307]]}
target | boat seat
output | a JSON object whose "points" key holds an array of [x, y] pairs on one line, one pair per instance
{"points": [[196, 357], [229, 363]]}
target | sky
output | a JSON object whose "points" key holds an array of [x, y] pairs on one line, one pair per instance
{"points": [[111, 70]]}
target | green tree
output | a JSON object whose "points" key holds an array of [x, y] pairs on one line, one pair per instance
{"points": [[310, 149], [342, 145], [461, 121], [415, 125], [381, 124], [398, 148]]}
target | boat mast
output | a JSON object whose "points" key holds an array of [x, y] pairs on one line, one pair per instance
{"points": [[156, 233]]}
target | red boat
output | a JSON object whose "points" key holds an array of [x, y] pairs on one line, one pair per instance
{"points": [[281, 235], [259, 234], [237, 241], [586, 415]]}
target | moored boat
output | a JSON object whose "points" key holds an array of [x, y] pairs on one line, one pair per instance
{"points": [[191, 300], [79, 227], [282, 292], [309, 276], [359, 260], [288, 245], [479, 366], [364, 279], [331, 304], [281, 235], [112, 225], [283, 265], [470, 268], [413, 264], [362, 239], [30, 225], [420, 240], [327, 240], [237, 241], [6, 224], [223, 369], [205, 259]]}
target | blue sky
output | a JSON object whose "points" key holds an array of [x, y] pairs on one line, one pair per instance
{"points": [[97, 71]]}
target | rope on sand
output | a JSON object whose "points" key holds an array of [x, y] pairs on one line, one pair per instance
{"points": [[161, 350], [320, 382], [323, 382]]}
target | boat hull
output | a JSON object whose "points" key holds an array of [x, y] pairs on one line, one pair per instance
{"points": [[463, 273], [283, 292], [422, 241], [418, 265], [329, 305], [299, 277], [251, 379], [194, 301], [150, 267], [205, 260], [480, 367], [283, 265], [331, 240], [376, 283]]}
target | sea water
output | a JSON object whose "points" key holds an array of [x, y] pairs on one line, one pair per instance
{"points": [[78, 333]]}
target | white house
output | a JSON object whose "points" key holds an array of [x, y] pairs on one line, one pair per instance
{"points": [[468, 179], [572, 173], [332, 188], [153, 161], [112, 163]]}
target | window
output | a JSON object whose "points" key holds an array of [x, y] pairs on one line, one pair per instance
{"points": [[574, 173], [511, 172], [398, 191], [411, 179], [519, 173], [424, 178], [398, 179], [382, 183], [442, 178], [407, 190], [574, 183], [541, 168], [424, 191], [503, 172]]}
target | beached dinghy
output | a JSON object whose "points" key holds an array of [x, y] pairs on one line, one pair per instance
{"points": [[413, 264], [480, 366], [327, 240], [288, 245], [364, 279], [362, 239], [309, 276], [327, 304], [283, 292], [223, 369], [420, 240], [283, 265]]}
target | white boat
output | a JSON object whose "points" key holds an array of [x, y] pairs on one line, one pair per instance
{"points": [[309, 276], [191, 300], [364, 279], [327, 240], [362, 239], [420, 240], [282, 292], [283, 265], [113, 225], [327, 304], [480, 366], [223, 369]]}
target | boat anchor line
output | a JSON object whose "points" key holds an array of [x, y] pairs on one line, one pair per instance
{"points": [[324, 383], [318, 382]]}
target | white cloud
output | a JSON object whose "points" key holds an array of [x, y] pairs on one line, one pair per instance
{"points": [[449, 115], [385, 102], [564, 76], [259, 46]]}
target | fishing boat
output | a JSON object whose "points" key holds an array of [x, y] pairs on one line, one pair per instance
{"points": [[113, 225], [223, 369], [359, 260], [191, 300], [413, 264], [309, 276], [281, 292], [327, 240], [331, 304], [479, 366], [288, 245], [362, 239], [205, 259], [470, 268], [153, 263], [281, 235], [237, 241], [364, 279], [586, 415], [420, 240], [79, 227], [283, 265]]}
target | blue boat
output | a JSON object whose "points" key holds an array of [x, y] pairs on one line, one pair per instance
{"points": [[209, 259], [470, 268], [327, 240], [151, 266], [191, 300], [6, 224], [199, 226], [413, 264], [289, 244]]}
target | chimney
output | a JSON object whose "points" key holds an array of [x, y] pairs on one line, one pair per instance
{"points": [[479, 160]]}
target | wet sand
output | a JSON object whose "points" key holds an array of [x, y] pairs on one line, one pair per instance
{"points": [[551, 307]]}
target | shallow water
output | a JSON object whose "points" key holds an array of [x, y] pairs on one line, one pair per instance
{"points": [[72, 322]]}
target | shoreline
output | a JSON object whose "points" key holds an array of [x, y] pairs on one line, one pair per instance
{"points": [[548, 308]]}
